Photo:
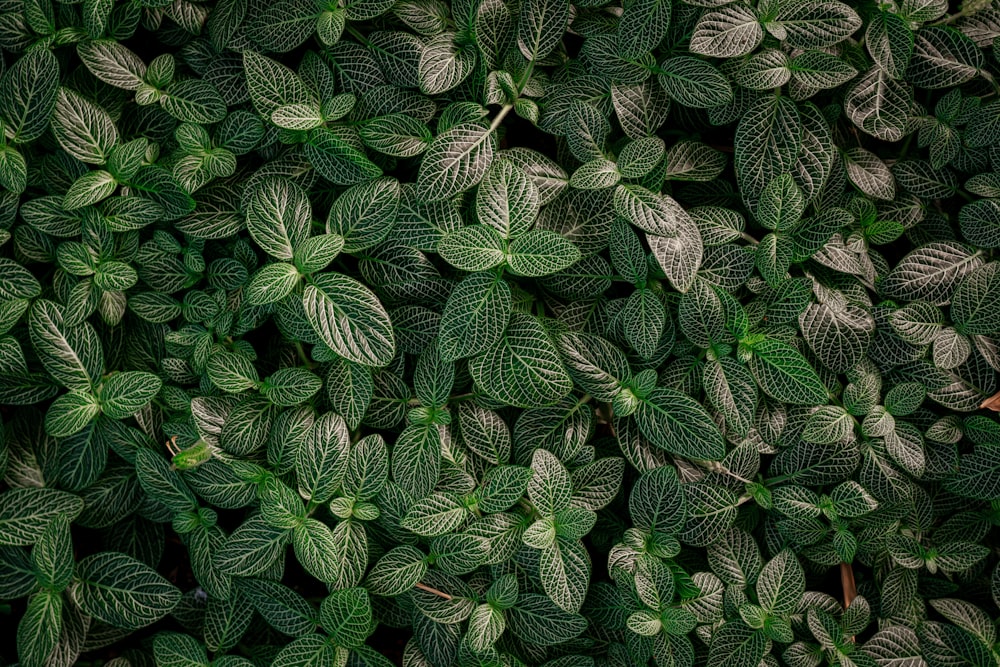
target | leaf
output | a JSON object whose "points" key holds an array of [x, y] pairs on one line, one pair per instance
{"points": [[252, 548], [456, 160], [838, 336], [737, 645], [931, 272], [25, 513], [437, 514], [397, 571], [290, 386], [473, 248], [540, 27], [507, 199], [194, 101], [694, 83], [890, 43], [444, 64], [729, 32], [332, 153], [124, 394], [284, 610], [28, 92], [364, 214], [346, 615], [122, 591], [70, 413], [316, 550], [524, 368], [732, 391], [278, 217], [83, 129], [879, 105], [817, 24], [416, 461], [657, 502], [675, 422], [781, 584], [943, 57], [349, 318], [539, 253], [565, 572], [39, 628], [643, 25], [271, 84], [768, 140], [785, 375], [112, 63]]}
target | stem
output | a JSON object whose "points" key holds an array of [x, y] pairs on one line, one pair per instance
{"points": [[850, 588], [303, 357], [432, 590], [747, 237], [500, 116]]}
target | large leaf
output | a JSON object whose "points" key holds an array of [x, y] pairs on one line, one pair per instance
{"points": [[349, 318], [524, 368]]}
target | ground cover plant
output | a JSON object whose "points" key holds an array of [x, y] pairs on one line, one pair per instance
{"points": [[499, 333]]}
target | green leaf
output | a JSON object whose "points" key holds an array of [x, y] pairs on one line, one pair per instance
{"points": [[72, 355], [173, 649], [124, 394], [565, 572], [52, 555], [785, 375], [456, 160], [25, 513], [524, 368], [540, 27], [322, 460], [732, 391], [676, 423], [474, 248], [694, 83], [278, 217], [112, 63], [349, 318], [397, 571], [416, 460], [539, 253], [643, 25], [507, 199], [728, 32], [123, 592], [194, 101], [284, 610], [272, 85], [365, 214], [13, 170], [817, 24], [781, 584], [70, 413], [252, 548], [444, 64], [475, 316], [28, 93], [291, 386], [332, 153], [737, 645], [767, 143], [931, 272], [83, 129], [346, 616], [39, 628], [316, 549]]}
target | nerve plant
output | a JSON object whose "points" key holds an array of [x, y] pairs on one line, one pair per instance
{"points": [[499, 333]]}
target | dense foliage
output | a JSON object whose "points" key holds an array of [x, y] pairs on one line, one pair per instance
{"points": [[524, 332]]}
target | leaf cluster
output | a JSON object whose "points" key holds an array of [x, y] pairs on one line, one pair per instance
{"points": [[532, 332]]}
